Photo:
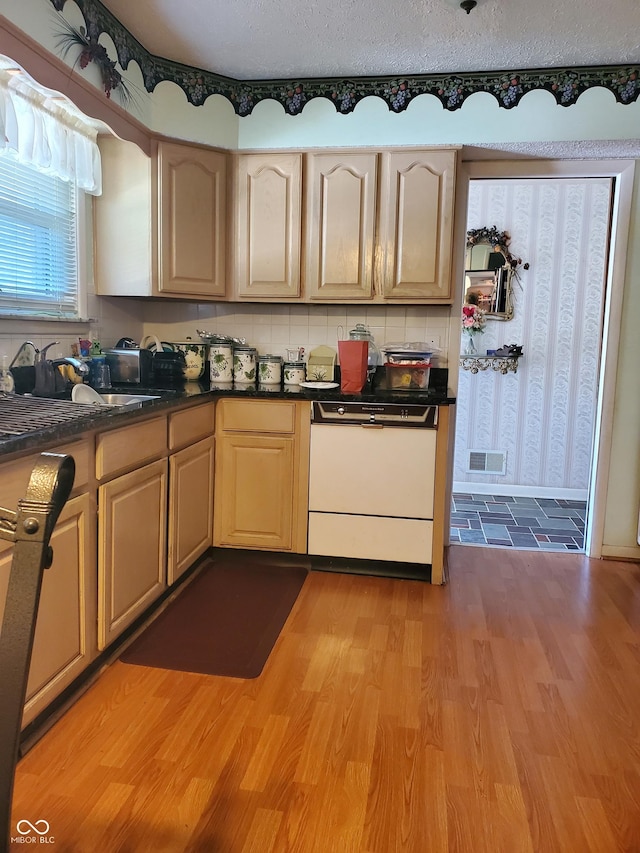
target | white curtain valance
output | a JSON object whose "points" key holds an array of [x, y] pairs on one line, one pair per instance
{"points": [[45, 130]]}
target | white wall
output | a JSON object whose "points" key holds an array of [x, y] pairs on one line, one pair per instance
{"points": [[543, 417], [595, 116], [623, 481]]}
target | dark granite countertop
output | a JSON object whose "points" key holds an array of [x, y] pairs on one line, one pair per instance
{"points": [[90, 418], [376, 391]]}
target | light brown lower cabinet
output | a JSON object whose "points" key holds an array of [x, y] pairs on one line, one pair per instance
{"points": [[255, 490], [190, 506], [261, 481], [64, 642], [65, 635], [132, 517]]}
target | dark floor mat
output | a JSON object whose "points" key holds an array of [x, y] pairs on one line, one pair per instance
{"points": [[226, 621]]}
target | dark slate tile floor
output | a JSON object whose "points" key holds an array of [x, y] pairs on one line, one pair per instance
{"points": [[545, 524]]}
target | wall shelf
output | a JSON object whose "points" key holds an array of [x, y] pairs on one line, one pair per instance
{"points": [[499, 363]]}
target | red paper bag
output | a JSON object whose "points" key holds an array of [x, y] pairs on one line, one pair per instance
{"points": [[353, 365]]}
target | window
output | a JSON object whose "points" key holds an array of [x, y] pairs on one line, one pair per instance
{"points": [[49, 159], [38, 242]]}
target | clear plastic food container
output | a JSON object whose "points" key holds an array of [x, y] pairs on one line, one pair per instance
{"points": [[411, 376]]}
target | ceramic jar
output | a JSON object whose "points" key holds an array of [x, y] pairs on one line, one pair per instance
{"points": [[294, 372], [221, 362], [269, 370], [195, 356], [244, 364], [362, 333]]}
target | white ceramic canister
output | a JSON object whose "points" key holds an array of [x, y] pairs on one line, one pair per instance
{"points": [[294, 372], [195, 356], [244, 364], [221, 362], [269, 369]]}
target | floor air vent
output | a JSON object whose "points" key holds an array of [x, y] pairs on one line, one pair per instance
{"points": [[487, 462]]}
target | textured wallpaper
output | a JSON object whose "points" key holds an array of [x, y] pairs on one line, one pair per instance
{"points": [[543, 416]]}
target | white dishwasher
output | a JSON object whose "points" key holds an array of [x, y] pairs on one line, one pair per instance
{"points": [[371, 480]]}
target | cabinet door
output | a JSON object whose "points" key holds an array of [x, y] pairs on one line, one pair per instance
{"points": [[122, 221], [255, 479], [132, 523], [340, 226], [268, 211], [192, 220], [65, 636], [190, 506], [416, 225]]}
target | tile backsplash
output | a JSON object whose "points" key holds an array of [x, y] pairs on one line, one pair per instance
{"points": [[271, 328], [274, 328]]}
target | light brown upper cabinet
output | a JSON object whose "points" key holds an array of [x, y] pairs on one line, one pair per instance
{"points": [[340, 209], [191, 220], [160, 223], [415, 226], [268, 224], [375, 226], [319, 226]]}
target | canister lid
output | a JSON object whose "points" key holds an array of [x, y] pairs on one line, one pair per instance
{"points": [[244, 348], [360, 333], [277, 359]]}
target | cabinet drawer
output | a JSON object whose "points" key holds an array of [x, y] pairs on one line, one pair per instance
{"points": [[257, 416], [14, 476], [130, 447], [191, 425], [81, 456]]}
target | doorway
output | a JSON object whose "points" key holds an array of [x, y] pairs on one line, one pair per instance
{"points": [[540, 423]]}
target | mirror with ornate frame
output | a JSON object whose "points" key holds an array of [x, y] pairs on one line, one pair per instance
{"points": [[489, 270]]}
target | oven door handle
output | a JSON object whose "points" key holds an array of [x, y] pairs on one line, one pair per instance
{"points": [[372, 426]]}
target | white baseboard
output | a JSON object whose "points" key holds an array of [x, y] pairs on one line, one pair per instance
{"points": [[620, 552], [520, 491]]}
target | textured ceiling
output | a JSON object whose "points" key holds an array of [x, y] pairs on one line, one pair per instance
{"points": [[264, 39]]}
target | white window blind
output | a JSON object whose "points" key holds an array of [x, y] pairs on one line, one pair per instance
{"points": [[38, 255]]}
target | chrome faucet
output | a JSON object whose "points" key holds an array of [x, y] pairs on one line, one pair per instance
{"points": [[21, 349], [49, 380], [80, 367], [43, 351]]}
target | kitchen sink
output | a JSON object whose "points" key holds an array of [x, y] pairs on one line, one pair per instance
{"points": [[87, 395], [127, 399]]}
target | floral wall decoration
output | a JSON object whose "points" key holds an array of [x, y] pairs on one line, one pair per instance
{"points": [[496, 239], [473, 323], [91, 50], [565, 84]]}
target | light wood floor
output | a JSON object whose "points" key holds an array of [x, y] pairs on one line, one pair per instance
{"points": [[498, 713]]}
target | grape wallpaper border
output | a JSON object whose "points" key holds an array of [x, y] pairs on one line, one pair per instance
{"points": [[508, 87]]}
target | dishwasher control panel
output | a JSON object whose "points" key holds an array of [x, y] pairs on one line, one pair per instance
{"points": [[374, 414]]}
